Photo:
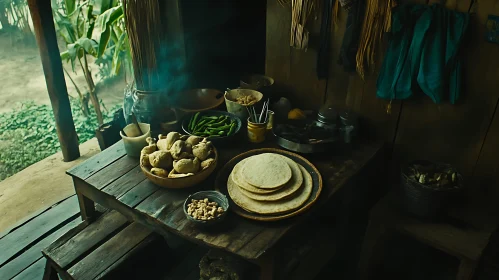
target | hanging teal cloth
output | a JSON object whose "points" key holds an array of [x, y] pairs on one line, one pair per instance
{"points": [[423, 50]]}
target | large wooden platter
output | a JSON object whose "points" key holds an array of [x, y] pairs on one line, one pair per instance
{"points": [[223, 175]]}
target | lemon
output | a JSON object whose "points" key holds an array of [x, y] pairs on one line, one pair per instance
{"points": [[296, 114]]}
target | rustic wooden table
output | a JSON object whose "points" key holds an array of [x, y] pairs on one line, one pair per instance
{"points": [[116, 181]]}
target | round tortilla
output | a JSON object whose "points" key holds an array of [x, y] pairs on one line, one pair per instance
{"points": [[237, 177], [287, 190], [271, 207], [266, 171]]}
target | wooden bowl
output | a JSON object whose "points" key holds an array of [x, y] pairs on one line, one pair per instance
{"points": [[197, 100], [184, 182], [256, 81]]}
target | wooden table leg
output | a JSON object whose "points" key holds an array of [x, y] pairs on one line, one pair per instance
{"points": [[371, 247], [266, 264], [87, 206], [466, 270], [50, 273]]}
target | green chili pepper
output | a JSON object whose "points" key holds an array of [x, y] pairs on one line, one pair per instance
{"points": [[222, 128], [194, 120], [231, 130], [209, 118], [219, 122], [190, 124], [199, 125]]}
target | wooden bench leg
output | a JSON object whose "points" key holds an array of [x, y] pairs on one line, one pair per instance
{"points": [[266, 264], [466, 270], [87, 208], [50, 273]]}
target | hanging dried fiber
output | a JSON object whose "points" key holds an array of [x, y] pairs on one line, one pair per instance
{"points": [[336, 12], [377, 21], [143, 24], [300, 12]]}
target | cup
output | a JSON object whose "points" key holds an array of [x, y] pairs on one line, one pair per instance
{"points": [[235, 108], [134, 142], [256, 131]]}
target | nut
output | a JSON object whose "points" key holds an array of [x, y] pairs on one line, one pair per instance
{"points": [[204, 209]]}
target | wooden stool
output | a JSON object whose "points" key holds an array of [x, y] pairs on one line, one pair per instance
{"points": [[92, 251], [465, 244]]}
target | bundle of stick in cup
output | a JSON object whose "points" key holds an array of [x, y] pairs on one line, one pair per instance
{"points": [[259, 118]]}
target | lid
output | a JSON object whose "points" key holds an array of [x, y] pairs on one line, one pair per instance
{"points": [[327, 114], [348, 117]]}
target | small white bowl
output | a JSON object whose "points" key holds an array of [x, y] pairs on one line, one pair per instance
{"points": [[133, 141]]}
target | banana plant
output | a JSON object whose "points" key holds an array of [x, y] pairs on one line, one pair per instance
{"points": [[76, 22], [14, 18]]}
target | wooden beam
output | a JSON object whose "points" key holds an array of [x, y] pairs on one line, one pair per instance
{"points": [[43, 23]]}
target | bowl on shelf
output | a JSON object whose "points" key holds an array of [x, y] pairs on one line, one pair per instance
{"points": [[213, 113], [183, 182], [212, 196], [256, 81]]}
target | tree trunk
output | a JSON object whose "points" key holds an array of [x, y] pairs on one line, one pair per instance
{"points": [[83, 98], [93, 94]]}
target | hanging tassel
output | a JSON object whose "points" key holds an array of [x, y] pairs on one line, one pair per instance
{"points": [[389, 108]]}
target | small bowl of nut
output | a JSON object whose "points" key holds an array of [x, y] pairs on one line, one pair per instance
{"points": [[206, 207]]}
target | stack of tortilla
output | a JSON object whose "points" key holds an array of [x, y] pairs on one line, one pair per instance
{"points": [[269, 184]]}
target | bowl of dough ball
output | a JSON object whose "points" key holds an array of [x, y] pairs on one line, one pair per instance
{"points": [[178, 161], [206, 207]]}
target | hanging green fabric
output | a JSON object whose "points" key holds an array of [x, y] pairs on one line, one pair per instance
{"points": [[423, 51]]}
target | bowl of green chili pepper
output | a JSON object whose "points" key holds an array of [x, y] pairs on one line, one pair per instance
{"points": [[214, 125]]}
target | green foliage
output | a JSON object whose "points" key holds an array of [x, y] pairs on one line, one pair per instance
{"points": [[75, 22], [28, 134]]}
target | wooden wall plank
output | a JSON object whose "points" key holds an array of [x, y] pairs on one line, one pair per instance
{"points": [[277, 62], [419, 128], [455, 133], [293, 70], [376, 122], [338, 80], [486, 170], [308, 90]]}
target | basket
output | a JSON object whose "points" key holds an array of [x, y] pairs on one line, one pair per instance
{"points": [[425, 201]]}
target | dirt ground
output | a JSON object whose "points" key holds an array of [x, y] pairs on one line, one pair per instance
{"points": [[22, 78]]}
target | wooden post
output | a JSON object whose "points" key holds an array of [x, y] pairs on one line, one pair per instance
{"points": [[43, 23]]}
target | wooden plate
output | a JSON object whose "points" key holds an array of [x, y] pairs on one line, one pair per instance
{"points": [[223, 175]]}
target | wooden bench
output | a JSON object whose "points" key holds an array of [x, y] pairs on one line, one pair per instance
{"points": [[466, 242], [96, 250]]}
